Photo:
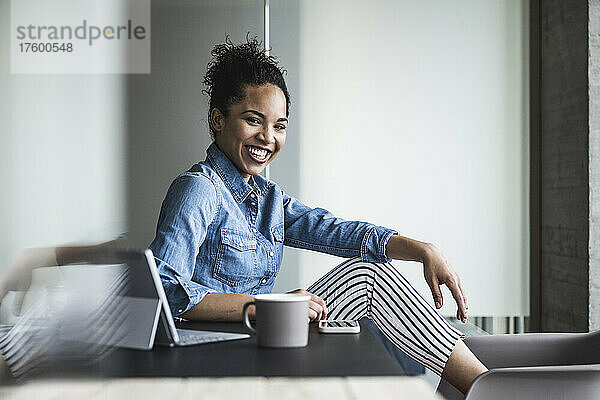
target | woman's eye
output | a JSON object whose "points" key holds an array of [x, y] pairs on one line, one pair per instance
{"points": [[280, 127], [253, 121]]}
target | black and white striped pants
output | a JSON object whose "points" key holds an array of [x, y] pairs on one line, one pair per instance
{"points": [[356, 289]]}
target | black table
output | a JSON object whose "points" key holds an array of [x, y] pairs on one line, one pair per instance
{"points": [[326, 355]]}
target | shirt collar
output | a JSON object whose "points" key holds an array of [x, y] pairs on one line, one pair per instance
{"points": [[239, 188]]}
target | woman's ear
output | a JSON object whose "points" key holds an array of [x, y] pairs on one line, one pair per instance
{"points": [[217, 119]]}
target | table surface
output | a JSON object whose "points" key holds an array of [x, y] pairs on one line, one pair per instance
{"points": [[327, 355]]}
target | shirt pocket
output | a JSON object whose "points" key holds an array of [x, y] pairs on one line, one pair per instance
{"points": [[236, 258], [278, 236], [278, 232]]}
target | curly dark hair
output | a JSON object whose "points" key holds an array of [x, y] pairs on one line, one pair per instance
{"points": [[233, 68]]}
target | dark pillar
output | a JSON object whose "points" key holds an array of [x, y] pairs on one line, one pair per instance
{"points": [[563, 166]]}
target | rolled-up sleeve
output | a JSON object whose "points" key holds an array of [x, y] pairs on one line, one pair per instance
{"points": [[317, 229], [187, 210]]}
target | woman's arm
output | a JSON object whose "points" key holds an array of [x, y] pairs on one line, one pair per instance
{"points": [[319, 230], [436, 269], [228, 307], [221, 307], [189, 207]]}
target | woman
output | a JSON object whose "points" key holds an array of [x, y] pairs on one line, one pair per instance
{"points": [[222, 228]]}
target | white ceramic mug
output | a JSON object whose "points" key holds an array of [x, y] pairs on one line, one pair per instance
{"points": [[281, 319]]}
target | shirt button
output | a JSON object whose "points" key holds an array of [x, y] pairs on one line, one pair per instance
{"points": [[252, 195], [253, 203], [252, 230], [263, 281], [270, 254], [180, 310]]}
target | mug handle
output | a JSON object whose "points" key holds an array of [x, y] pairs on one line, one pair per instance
{"points": [[245, 317]]}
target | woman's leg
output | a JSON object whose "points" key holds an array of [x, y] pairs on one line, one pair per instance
{"points": [[355, 289], [462, 367]]}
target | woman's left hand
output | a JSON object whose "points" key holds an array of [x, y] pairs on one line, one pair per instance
{"points": [[438, 272], [317, 310], [436, 269]]}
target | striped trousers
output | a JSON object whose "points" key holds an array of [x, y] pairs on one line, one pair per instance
{"points": [[356, 289]]}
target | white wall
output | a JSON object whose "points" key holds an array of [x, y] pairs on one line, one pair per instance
{"points": [[62, 156], [5, 137], [415, 116]]}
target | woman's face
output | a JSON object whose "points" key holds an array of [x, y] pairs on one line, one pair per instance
{"points": [[254, 131]]}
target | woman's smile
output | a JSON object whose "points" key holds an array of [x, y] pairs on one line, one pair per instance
{"points": [[258, 154]]}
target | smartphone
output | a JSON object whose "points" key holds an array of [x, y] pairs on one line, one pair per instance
{"points": [[339, 326]]}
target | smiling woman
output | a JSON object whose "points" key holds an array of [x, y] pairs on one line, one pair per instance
{"points": [[222, 227]]}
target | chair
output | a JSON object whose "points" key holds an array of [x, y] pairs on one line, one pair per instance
{"points": [[534, 366]]}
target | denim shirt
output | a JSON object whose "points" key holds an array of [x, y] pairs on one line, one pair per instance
{"points": [[217, 233]]}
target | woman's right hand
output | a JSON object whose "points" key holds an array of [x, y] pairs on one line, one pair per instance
{"points": [[317, 309]]}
